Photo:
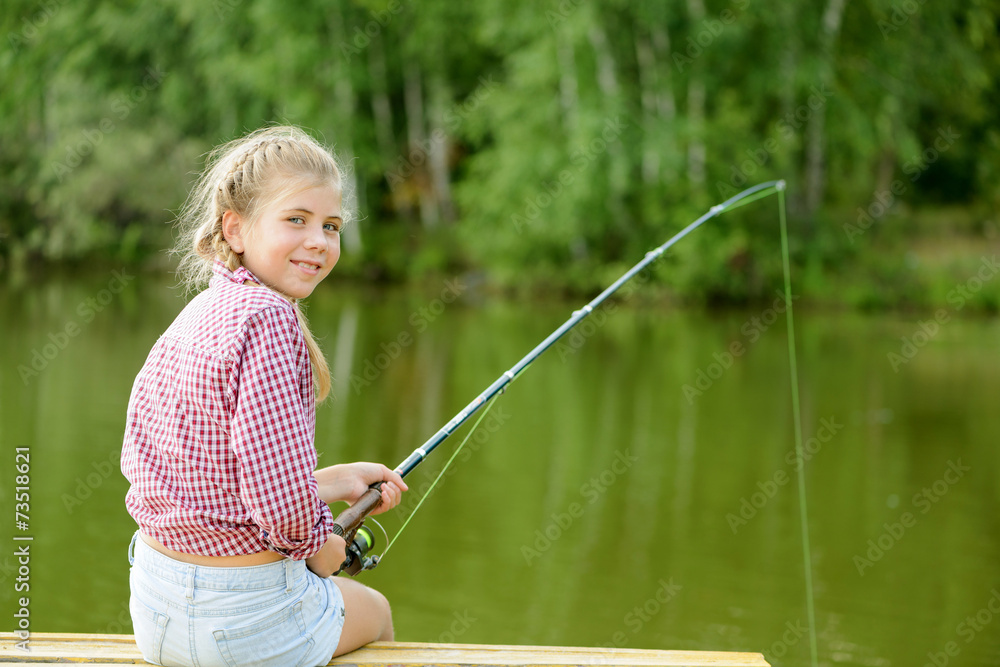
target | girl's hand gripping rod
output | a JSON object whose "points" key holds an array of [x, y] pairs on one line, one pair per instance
{"points": [[349, 524]]}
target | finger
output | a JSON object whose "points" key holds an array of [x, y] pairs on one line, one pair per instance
{"points": [[394, 477], [391, 494]]}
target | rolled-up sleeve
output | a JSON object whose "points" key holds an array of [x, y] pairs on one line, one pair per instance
{"points": [[272, 435]]}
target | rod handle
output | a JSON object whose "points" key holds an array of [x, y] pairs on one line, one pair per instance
{"points": [[348, 521]]}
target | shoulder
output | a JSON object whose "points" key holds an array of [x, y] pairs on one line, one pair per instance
{"points": [[252, 300], [261, 315], [226, 317], [261, 305]]}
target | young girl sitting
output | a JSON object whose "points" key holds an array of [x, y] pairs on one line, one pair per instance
{"points": [[231, 563]]}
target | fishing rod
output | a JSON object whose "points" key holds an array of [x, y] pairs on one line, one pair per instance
{"points": [[349, 524]]}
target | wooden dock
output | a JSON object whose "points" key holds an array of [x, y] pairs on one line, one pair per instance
{"points": [[98, 650]]}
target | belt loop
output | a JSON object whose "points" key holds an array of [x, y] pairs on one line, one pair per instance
{"points": [[190, 582], [131, 548], [289, 575]]}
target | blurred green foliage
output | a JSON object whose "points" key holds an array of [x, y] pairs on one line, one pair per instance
{"points": [[543, 143]]}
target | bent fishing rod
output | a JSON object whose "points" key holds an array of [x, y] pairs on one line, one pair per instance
{"points": [[349, 524]]}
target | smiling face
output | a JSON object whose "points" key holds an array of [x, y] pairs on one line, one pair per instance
{"points": [[294, 243]]}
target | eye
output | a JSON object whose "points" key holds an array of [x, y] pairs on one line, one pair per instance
{"points": [[297, 218], [332, 226]]}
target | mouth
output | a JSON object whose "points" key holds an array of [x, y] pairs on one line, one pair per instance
{"points": [[309, 267]]}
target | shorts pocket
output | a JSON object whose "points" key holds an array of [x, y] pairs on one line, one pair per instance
{"points": [[278, 638], [149, 627]]}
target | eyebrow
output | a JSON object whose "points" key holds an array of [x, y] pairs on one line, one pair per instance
{"points": [[308, 212]]}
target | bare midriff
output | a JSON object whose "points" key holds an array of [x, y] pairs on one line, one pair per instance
{"points": [[243, 560]]}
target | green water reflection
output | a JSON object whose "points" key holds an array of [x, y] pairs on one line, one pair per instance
{"points": [[601, 502]]}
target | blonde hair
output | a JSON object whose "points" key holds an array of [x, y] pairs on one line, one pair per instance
{"points": [[243, 176]]}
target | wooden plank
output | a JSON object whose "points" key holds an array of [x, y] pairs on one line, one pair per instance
{"points": [[58, 648], [110, 650], [382, 654]]}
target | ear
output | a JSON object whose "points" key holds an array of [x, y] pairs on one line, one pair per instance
{"points": [[232, 230]]}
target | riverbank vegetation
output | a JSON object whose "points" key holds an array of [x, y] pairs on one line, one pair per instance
{"points": [[543, 146]]}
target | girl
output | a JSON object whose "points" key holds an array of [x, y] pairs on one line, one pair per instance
{"points": [[231, 563]]}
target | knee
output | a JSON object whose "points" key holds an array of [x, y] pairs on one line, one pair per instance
{"points": [[381, 604], [369, 617]]}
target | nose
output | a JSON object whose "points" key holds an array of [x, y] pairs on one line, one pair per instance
{"points": [[316, 239]]}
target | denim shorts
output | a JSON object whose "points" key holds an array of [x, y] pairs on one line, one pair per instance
{"points": [[274, 614]]}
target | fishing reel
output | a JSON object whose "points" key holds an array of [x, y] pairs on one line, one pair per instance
{"points": [[360, 539], [357, 552]]}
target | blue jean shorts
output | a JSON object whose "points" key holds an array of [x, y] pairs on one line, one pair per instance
{"points": [[274, 614]]}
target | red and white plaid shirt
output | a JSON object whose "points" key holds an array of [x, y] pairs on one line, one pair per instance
{"points": [[219, 436]]}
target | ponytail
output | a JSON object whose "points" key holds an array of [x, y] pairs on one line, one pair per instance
{"points": [[320, 368]]}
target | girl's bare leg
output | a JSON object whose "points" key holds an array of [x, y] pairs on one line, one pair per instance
{"points": [[367, 619]]}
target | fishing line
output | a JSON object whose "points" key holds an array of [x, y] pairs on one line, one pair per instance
{"points": [[437, 479], [797, 416]]}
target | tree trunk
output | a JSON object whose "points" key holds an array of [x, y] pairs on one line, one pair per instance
{"points": [[816, 127], [606, 78], [438, 150], [657, 102], [343, 103], [381, 107], [647, 86], [607, 82], [385, 137], [569, 100], [696, 106], [413, 99]]}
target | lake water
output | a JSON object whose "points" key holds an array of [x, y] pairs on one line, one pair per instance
{"points": [[636, 487]]}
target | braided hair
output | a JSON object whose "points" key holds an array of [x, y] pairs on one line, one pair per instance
{"points": [[243, 176]]}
